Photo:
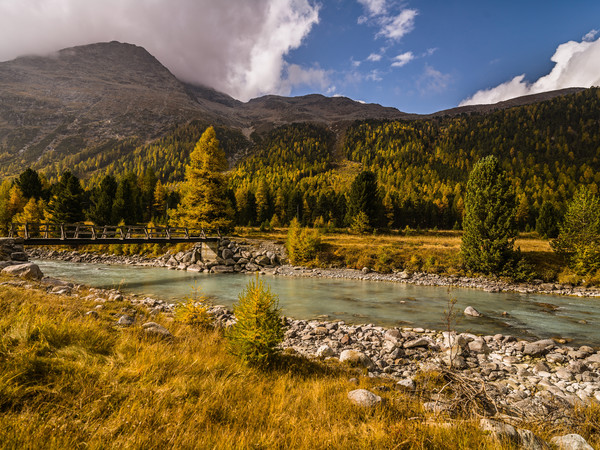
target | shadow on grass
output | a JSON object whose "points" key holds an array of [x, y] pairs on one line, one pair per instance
{"points": [[302, 367]]}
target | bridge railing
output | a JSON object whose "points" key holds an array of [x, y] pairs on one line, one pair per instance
{"points": [[82, 231]]}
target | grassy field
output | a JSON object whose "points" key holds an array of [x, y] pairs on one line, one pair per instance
{"points": [[427, 251], [68, 380]]}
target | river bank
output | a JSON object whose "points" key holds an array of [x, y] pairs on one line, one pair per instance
{"points": [[514, 382], [270, 257]]}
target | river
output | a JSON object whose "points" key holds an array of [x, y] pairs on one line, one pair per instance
{"points": [[382, 303]]}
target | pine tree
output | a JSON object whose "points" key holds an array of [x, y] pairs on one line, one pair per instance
{"points": [[205, 202], [364, 197], [489, 224], [68, 202], [579, 237], [102, 200], [127, 205], [548, 221], [30, 184]]}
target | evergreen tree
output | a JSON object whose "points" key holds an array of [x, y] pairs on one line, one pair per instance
{"points": [[102, 200], [364, 197], [126, 206], [205, 202], [30, 184], [548, 221], [67, 205], [147, 184], [579, 237], [489, 224], [160, 198]]}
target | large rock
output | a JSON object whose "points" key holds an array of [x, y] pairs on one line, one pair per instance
{"points": [[538, 348], [29, 270], [155, 330], [222, 269], [356, 358], [571, 442], [364, 398], [500, 430], [324, 351], [470, 311]]}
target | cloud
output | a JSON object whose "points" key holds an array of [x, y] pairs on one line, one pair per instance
{"points": [[374, 7], [391, 26], [374, 57], [576, 64], [395, 27], [433, 80], [299, 76], [590, 36], [238, 49], [403, 59]]}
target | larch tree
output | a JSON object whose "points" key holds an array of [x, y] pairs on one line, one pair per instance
{"points": [[490, 227], [205, 203]]}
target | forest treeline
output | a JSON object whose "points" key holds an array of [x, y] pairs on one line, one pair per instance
{"points": [[308, 171]]}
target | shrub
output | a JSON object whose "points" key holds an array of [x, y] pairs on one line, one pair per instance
{"points": [[194, 310], [360, 224], [302, 244], [258, 331]]}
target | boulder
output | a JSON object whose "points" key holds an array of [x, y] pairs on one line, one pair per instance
{"points": [[125, 321], [28, 270], [263, 260], [324, 351], [406, 383], [221, 269], [479, 346], [470, 311], [538, 348], [227, 254], [155, 330], [500, 430], [364, 398], [420, 342], [356, 358], [19, 256], [195, 268], [571, 442]]}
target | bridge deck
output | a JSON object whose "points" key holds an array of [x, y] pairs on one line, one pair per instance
{"points": [[82, 234]]}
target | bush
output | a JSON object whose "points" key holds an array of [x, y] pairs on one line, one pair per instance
{"points": [[194, 310], [258, 331], [302, 244]]}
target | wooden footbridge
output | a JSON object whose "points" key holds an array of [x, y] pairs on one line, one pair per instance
{"points": [[82, 234]]}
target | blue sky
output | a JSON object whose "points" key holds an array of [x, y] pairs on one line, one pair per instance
{"points": [[416, 55], [458, 48]]}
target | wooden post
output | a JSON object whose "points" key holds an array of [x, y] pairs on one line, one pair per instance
{"points": [[25, 232], [62, 231]]}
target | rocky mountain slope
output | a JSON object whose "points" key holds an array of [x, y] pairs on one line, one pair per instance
{"points": [[97, 96]]}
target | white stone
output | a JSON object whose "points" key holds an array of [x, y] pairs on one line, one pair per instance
{"points": [[364, 398], [571, 442], [324, 351]]}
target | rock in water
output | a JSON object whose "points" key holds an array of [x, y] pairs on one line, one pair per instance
{"points": [[470, 311], [28, 270], [364, 398]]}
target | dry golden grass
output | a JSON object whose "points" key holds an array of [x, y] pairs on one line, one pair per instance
{"points": [[428, 251], [70, 381]]}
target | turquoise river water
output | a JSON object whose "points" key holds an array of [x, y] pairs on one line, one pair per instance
{"points": [[382, 303]]}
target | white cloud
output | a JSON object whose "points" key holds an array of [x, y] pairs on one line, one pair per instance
{"points": [[374, 75], [299, 76], [433, 80], [576, 64], [403, 59], [591, 35], [395, 27], [374, 7], [239, 49], [374, 57]]}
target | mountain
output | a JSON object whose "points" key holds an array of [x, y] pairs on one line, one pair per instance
{"points": [[84, 101], [91, 95]]}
